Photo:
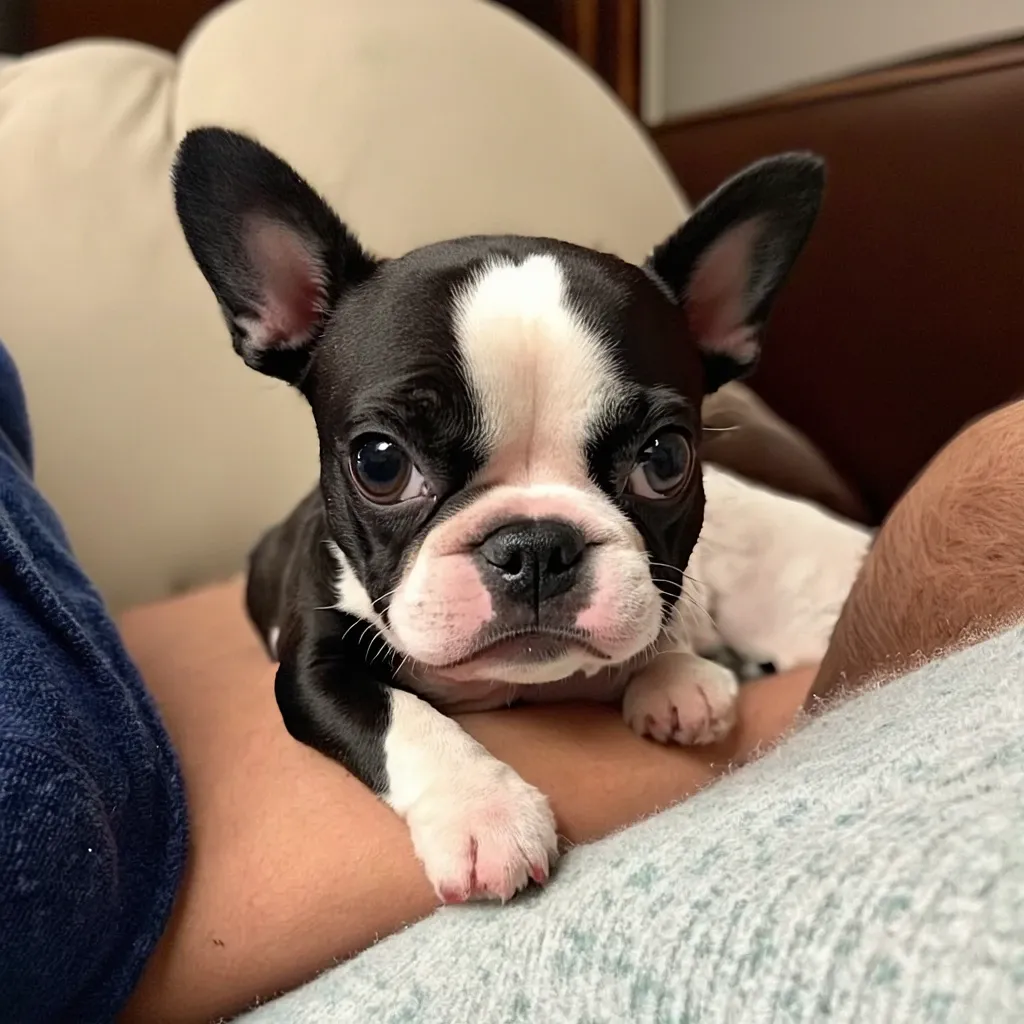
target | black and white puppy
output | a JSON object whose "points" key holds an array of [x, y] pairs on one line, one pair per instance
{"points": [[509, 489]]}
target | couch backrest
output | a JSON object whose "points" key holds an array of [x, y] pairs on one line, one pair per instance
{"points": [[419, 121]]}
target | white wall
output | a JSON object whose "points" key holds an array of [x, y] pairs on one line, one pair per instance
{"points": [[701, 54]]}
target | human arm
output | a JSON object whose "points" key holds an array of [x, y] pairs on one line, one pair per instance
{"points": [[295, 864]]}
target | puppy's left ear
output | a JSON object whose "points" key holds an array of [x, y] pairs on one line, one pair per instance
{"points": [[725, 265]]}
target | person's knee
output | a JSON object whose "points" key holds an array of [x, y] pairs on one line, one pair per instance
{"points": [[947, 566]]}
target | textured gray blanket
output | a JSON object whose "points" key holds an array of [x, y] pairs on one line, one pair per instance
{"points": [[870, 869]]}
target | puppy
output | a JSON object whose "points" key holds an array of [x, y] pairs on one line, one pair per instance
{"points": [[509, 489]]}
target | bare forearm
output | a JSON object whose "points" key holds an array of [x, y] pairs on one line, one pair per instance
{"points": [[600, 776], [295, 864], [945, 569]]}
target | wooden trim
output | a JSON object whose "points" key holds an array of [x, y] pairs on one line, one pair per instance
{"points": [[899, 76], [15, 26], [588, 30], [162, 23], [627, 72]]}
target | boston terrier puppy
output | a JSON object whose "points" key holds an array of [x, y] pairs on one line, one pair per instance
{"points": [[509, 484]]}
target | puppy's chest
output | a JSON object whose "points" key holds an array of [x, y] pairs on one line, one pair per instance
{"points": [[456, 697]]}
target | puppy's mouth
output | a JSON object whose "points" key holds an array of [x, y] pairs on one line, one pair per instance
{"points": [[530, 647]]}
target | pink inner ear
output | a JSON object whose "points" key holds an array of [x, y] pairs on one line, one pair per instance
{"points": [[716, 298], [292, 285]]}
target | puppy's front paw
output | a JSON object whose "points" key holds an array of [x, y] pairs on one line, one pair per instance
{"points": [[484, 838], [681, 698]]}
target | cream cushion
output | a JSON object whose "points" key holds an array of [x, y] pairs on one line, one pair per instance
{"points": [[419, 120]]}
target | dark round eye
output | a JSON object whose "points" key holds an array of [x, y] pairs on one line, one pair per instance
{"points": [[384, 472], [663, 466]]}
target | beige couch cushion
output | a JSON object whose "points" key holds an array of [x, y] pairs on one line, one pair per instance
{"points": [[419, 120]]}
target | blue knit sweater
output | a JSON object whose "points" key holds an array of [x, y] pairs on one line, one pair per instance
{"points": [[92, 811]]}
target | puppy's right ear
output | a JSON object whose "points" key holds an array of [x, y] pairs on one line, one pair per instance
{"points": [[275, 254]]}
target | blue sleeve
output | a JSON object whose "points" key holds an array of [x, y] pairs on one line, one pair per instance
{"points": [[58, 877], [93, 827]]}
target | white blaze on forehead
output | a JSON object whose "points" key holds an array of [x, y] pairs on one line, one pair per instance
{"points": [[542, 376]]}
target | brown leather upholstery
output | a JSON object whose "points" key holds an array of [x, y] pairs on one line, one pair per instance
{"points": [[905, 317]]}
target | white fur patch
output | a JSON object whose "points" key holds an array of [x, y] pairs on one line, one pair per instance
{"points": [[541, 375], [272, 638], [775, 570], [478, 828], [352, 595]]}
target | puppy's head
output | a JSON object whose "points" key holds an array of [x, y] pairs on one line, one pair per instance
{"points": [[507, 425]]}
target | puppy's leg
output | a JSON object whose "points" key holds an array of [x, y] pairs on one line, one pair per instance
{"points": [[682, 698], [478, 828]]}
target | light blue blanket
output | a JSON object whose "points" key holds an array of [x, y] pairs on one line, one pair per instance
{"points": [[871, 869]]}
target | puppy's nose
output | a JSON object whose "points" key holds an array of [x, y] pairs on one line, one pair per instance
{"points": [[534, 559]]}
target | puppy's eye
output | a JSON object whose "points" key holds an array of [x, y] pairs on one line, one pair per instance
{"points": [[663, 467], [384, 472]]}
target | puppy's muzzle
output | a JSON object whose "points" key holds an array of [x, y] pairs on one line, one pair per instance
{"points": [[530, 561]]}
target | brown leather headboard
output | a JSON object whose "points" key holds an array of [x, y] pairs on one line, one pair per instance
{"points": [[904, 318]]}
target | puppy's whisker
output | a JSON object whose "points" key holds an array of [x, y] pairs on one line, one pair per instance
{"points": [[383, 597], [382, 650], [356, 622], [696, 604], [674, 568], [643, 657], [371, 657], [664, 565], [662, 581], [362, 636]]}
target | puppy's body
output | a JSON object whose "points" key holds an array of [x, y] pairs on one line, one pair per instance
{"points": [[510, 491], [776, 571]]}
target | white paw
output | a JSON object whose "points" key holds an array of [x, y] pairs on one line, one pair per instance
{"points": [[681, 698], [485, 837]]}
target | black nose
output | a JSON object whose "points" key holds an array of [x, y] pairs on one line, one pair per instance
{"points": [[534, 559]]}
